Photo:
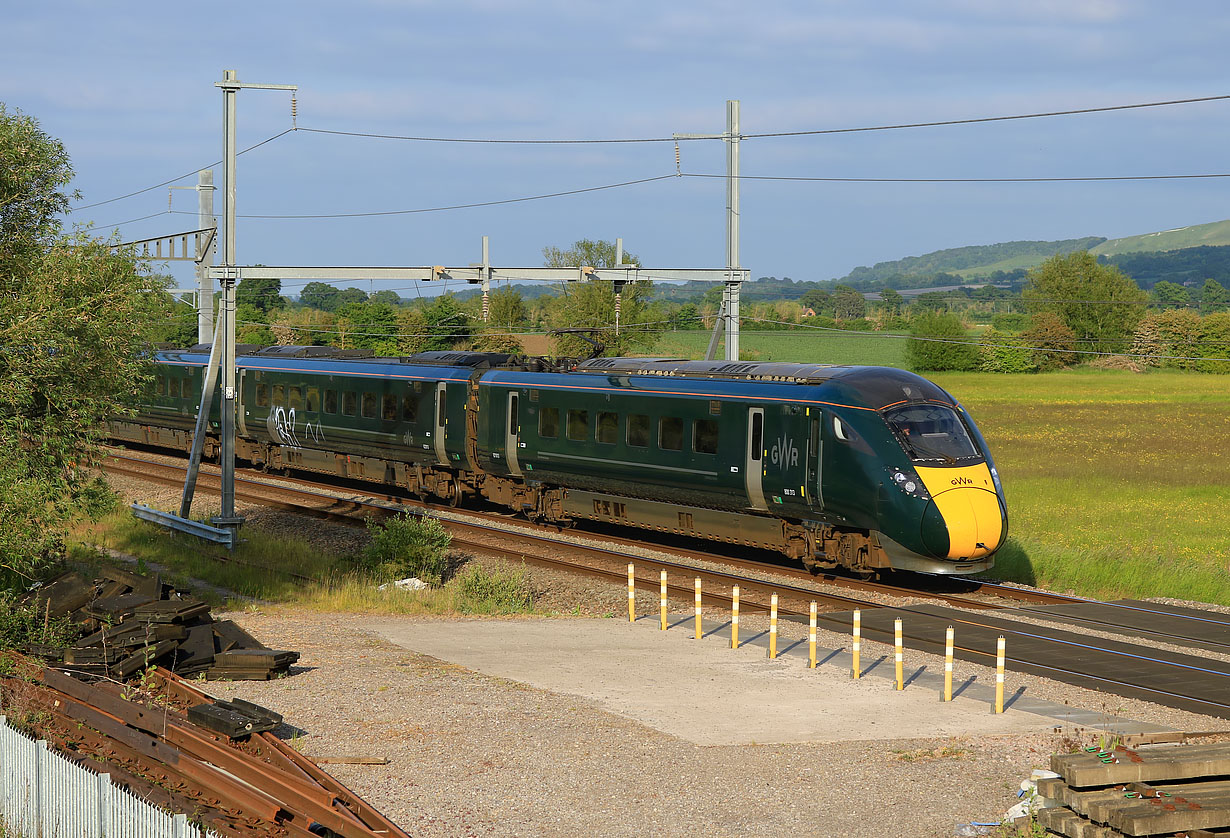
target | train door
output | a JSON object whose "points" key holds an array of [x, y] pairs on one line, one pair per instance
{"points": [[511, 440], [441, 417], [815, 461], [753, 467]]}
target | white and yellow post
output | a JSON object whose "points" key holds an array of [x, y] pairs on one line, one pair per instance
{"points": [[734, 618], [999, 675], [631, 593], [698, 630], [897, 656], [663, 606], [811, 639], [948, 638], [856, 650], [773, 626]]}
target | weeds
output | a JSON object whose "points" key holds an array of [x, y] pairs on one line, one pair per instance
{"points": [[483, 591], [407, 545]]}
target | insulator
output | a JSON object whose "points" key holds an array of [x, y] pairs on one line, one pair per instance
{"points": [[677, 169], [294, 111]]}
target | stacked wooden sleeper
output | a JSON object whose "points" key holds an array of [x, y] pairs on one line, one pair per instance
{"points": [[130, 621], [1166, 790]]}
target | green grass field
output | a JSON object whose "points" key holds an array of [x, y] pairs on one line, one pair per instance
{"points": [[1118, 484], [810, 346]]}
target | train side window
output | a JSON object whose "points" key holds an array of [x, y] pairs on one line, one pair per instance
{"points": [[262, 395], [409, 408], [279, 395], [578, 425], [548, 423], [670, 433], [608, 428], [160, 385], [350, 403], [173, 383], [330, 401], [295, 400], [757, 444], [638, 430], [312, 399], [705, 436], [388, 407], [369, 405], [442, 412]]}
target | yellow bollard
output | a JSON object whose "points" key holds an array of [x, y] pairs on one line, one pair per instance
{"points": [[734, 618], [897, 641], [698, 631], [948, 664], [631, 593], [858, 630], [999, 675], [811, 639], [773, 626], [664, 600]]}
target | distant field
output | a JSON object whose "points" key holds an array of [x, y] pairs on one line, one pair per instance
{"points": [[805, 347], [1216, 233], [1118, 483]]}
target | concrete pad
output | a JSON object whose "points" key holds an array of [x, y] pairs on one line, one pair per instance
{"points": [[703, 692]]}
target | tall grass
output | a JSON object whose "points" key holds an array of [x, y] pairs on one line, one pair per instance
{"points": [[281, 569]]}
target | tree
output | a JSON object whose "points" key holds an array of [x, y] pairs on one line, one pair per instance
{"points": [[319, 295], [1052, 340], [34, 173], [371, 326], [849, 304], [386, 296], [821, 302], [1170, 293], [590, 306], [252, 325], [446, 323], [584, 252], [1099, 303], [892, 300], [265, 295], [1214, 297], [938, 342]]}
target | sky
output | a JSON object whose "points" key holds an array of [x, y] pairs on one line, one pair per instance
{"points": [[129, 89]]}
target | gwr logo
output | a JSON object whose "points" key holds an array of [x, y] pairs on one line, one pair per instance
{"points": [[962, 481]]}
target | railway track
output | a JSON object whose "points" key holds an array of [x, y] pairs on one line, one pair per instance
{"points": [[1168, 678]]}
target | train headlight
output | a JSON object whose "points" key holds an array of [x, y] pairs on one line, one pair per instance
{"points": [[999, 489], [908, 482]]}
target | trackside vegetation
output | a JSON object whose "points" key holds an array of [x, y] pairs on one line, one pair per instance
{"points": [[281, 569]]}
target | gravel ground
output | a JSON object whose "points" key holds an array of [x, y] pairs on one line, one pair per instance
{"points": [[476, 755]]}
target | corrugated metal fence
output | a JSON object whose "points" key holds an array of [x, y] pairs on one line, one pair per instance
{"points": [[43, 795]]}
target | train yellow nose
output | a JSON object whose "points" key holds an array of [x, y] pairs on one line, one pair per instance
{"points": [[966, 499]]}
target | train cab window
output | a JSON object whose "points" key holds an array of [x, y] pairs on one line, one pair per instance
{"points": [[705, 436], [638, 430], [279, 395], [350, 403], [173, 385], [409, 408], [931, 432], [330, 401], [578, 425], [548, 423], [369, 405], [311, 399], [608, 428], [670, 433], [295, 398], [262, 395], [388, 407]]}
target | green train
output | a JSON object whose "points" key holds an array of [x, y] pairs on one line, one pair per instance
{"points": [[863, 468]]}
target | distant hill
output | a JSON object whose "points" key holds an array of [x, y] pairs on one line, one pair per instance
{"points": [[975, 260], [1197, 235]]}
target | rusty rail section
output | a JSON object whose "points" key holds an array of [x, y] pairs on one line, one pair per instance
{"points": [[255, 786]]}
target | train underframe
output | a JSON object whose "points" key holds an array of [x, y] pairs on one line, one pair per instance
{"points": [[815, 544]]}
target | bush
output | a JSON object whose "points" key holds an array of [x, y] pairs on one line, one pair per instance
{"points": [[22, 623], [938, 342], [407, 545], [1000, 352], [1010, 322], [1052, 340], [482, 591]]}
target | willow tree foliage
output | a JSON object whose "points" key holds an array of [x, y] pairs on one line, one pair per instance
{"points": [[75, 319]]}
